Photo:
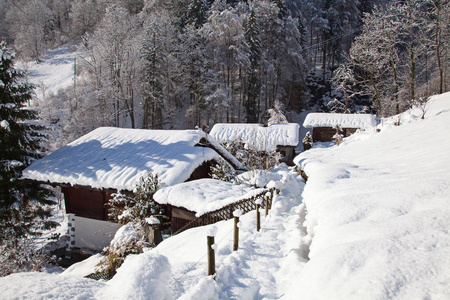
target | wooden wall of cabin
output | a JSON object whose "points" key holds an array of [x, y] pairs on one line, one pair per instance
{"points": [[203, 171], [179, 217], [349, 131], [86, 202], [90, 203], [287, 154], [325, 134]]}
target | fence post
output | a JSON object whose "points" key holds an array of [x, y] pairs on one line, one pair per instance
{"points": [[237, 213], [211, 253], [258, 215], [267, 203]]}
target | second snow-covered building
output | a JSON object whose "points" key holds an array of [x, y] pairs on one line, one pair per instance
{"points": [[324, 124], [282, 138]]}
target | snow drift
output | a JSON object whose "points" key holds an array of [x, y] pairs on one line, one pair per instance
{"points": [[378, 212]]}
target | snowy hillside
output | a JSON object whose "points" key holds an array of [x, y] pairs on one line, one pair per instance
{"points": [[378, 213], [377, 227], [55, 71]]}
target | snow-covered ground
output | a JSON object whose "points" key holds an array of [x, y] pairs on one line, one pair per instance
{"points": [[55, 71], [378, 212], [372, 222]]}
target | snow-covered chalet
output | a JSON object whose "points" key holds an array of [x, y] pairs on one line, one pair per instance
{"points": [[106, 160], [282, 138], [324, 124]]}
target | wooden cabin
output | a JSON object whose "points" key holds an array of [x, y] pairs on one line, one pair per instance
{"points": [[106, 160], [282, 138], [324, 124], [188, 200]]}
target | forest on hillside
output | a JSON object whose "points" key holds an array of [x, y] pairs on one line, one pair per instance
{"points": [[176, 64]]}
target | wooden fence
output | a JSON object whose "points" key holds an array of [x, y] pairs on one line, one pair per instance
{"points": [[226, 212]]}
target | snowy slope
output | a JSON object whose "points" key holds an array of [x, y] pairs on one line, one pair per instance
{"points": [[377, 227], [378, 213], [55, 71]]}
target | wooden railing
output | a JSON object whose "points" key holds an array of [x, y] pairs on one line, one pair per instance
{"points": [[226, 212]]}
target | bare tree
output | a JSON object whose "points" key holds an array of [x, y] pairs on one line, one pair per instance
{"points": [[30, 23], [114, 61]]}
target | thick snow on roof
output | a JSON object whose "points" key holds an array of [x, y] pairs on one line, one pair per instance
{"points": [[257, 136], [344, 120], [203, 195], [117, 158]]}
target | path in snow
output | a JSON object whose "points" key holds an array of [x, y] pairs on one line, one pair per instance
{"points": [[263, 266]]}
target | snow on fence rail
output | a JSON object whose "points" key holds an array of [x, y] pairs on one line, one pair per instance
{"points": [[226, 212]]}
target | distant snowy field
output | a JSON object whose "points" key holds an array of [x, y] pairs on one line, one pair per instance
{"points": [[377, 226], [55, 71]]}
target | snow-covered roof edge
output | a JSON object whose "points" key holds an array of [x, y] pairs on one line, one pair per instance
{"points": [[257, 136], [363, 121]]}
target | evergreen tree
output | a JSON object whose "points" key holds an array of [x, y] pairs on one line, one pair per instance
{"points": [[24, 207], [303, 32], [153, 102], [198, 12], [283, 11], [276, 114], [253, 82]]}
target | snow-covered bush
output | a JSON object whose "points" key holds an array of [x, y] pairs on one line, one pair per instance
{"points": [[19, 256], [307, 141], [423, 104], [236, 148], [126, 208], [222, 171], [338, 136], [129, 239], [133, 211], [145, 276], [251, 158]]}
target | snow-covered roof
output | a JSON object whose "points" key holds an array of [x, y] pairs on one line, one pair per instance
{"points": [[363, 121], [203, 195], [117, 157], [257, 136]]}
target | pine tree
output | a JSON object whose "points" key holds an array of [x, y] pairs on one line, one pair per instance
{"points": [[153, 102], [253, 83], [303, 32], [276, 114], [198, 12], [283, 11], [24, 207]]}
